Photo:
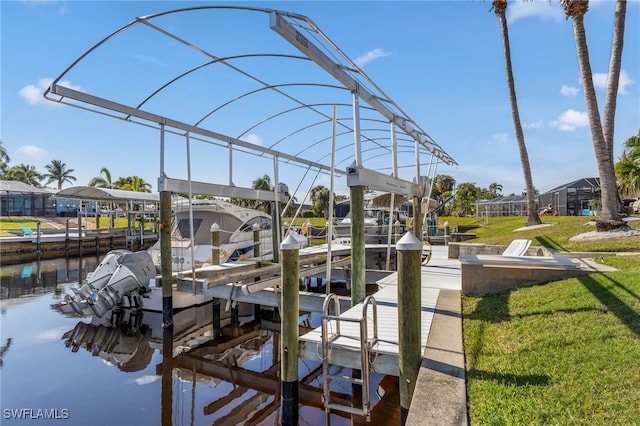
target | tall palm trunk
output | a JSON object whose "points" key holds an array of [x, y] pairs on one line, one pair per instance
{"points": [[608, 119], [609, 217], [500, 8]]}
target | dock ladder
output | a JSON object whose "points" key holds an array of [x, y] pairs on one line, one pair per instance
{"points": [[330, 340]]}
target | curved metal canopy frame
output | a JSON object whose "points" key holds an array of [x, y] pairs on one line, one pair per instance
{"points": [[286, 94]]}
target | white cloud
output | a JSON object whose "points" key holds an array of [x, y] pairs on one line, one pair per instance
{"points": [[371, 56], [568, 90], [63, 9], [30, 153], [51, 334], [33, 94], [570, 120], [254, 139], [149, 59], [541, 9], [533, 125], [600, 80], [145, 380], [499, 137]]}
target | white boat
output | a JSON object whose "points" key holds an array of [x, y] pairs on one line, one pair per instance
{"points": [[376, 219], [127, 279], [236, 234]]}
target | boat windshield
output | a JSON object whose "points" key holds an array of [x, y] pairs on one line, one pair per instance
{"points": [[183, 228]]}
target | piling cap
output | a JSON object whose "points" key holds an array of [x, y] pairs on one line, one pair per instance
{"points": [[215, 227], [255, 226], [290, 243], [409, 242]]}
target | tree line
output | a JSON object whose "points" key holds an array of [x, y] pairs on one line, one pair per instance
{"points": [[442, 187], [58, 173]]}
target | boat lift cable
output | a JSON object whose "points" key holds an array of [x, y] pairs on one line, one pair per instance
{"points": [[191, 230], [284, 210], [303, 200]]}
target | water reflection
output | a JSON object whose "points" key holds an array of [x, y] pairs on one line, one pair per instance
{"points": [[42, 276], [126, 346], [188, 375]]}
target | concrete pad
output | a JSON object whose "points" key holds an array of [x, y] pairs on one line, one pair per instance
{"points": [[440, 395]]}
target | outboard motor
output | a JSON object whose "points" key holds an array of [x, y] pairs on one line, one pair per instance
{"points": [[134, 272], [120, 273], [96, 280]]}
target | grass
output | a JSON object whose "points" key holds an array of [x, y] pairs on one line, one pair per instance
{"points": [[501, 230], [562, 353]]}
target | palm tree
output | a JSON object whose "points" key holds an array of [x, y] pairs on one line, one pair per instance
{"points": [[495, 190], [132, 183], [614, 75], [261, 183], [25, 173], [628, 168], [500, 9], [4, 161], [102, 182], [464, 203], [320, 200], [57, 172], [609, 216], [442, 184]]}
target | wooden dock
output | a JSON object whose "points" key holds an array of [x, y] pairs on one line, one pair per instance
{"points": [[258, 285], [440, 273]]}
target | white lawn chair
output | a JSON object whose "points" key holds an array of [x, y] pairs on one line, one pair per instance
{"points": [[517, 248]]}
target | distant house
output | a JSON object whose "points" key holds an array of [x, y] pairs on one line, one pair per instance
{"points": [[512, 205], [20, 199], [575, 198]]}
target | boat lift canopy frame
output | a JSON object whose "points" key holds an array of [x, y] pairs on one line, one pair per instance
{"points": [[305, 36]]}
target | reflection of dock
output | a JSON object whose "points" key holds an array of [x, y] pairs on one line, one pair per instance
{"points": [[256, 395]]}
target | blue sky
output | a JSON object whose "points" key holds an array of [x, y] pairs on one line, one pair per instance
{"points": [[440, 61]]}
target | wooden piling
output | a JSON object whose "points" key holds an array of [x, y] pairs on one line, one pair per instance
{"points": [[215, 244], [290, 330], [417, 217], [396, 231], [409, 249], [38, 237], [216, 317], [66, 239], [166, 392], [447, 233], [165, 258], [358, 255], [80, 233]]}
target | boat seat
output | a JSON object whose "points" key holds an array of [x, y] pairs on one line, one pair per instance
{"points": [[27, 231]]}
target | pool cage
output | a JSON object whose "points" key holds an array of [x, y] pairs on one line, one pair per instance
{"points": [[515, 205], [578, 198]]}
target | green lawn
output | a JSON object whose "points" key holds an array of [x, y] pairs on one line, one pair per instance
{"points": [[501, 230], [562, 353]]}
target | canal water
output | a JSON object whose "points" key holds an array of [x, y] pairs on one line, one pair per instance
{"points": [[124, 369]]}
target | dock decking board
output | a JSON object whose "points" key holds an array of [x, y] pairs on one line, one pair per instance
{"points": [[440, 273]]}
